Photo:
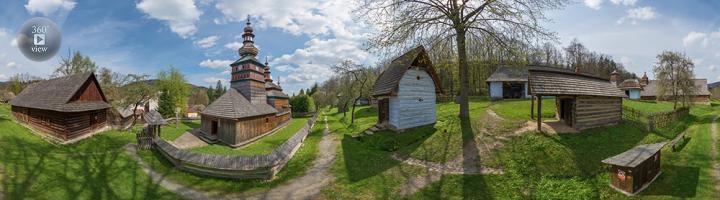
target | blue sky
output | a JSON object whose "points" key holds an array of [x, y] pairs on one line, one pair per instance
{"points": [[303, 38]]}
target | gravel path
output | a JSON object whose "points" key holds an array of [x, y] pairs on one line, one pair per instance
{"points": [[307, 186], [715, 164]]}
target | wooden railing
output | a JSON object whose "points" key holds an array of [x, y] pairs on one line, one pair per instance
{"points": [[236, 167], [653, 121]]}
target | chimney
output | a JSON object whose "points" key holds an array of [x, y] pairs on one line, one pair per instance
{"points": [[644, 80], [614, 77]]}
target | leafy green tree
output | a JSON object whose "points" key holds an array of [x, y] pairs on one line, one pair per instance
{"points": [[302, 104], [211, 94], [175, 91], [75, 64], [674, 72], [15, 86]]}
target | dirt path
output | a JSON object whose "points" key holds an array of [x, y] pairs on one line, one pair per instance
{"points": [[307, 186], [715, 164]]}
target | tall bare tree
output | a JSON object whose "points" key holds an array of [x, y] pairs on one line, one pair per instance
{"points": [[75, 63], [402, 23], [674, 72]]}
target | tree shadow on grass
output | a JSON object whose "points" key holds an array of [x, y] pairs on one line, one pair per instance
{"points": [[676, 181], [472, 185]]}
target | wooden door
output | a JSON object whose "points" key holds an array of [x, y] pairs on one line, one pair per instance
{"points": [[214, 127], [383, 110], [566, 110]]}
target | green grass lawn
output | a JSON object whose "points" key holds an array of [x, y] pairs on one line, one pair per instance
{"points": [[172, 131], [95, 168], [519, 110], [264, 145], [649, 106], [296, 167], [568, 166]]}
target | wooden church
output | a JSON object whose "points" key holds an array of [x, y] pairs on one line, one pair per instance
{"points": [[66, 109], [406, 91], [253, 107]]}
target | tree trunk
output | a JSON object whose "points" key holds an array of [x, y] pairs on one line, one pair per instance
{"points": [[352, 113], [463, 72]]}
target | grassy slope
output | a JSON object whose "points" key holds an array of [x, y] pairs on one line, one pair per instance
{"points": [[568, 166], [302, 159], [264, 145], [649, 106], [35, 169], [519, 110], [173, 131], [363, 172]]}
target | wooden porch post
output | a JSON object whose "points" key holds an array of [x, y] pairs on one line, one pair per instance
{"points": [[539, 113], [532, 107]]}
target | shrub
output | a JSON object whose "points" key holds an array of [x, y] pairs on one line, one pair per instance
{"points": [[302, 104]]}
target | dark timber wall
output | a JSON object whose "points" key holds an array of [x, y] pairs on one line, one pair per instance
{"points": [[59, 125], [592, 111]]}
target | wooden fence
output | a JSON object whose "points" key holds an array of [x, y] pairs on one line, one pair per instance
{"points": [[235, 167], [653, 121]]}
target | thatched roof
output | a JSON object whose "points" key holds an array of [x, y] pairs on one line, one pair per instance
{"points": [[554, 81], [56, 94], [651, 88], [389, 80], [507, 73], [634, 156], [233, 105]]}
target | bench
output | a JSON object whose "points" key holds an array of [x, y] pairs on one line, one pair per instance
{"points": [[675, 143]]}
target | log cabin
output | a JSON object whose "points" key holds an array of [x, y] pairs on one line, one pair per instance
{"points": [[406, 91], [582, 100], [253, 107], [633, 170], [66, 109]]}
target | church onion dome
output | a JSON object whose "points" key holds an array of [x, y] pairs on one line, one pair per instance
{"points": [[248, 49]]}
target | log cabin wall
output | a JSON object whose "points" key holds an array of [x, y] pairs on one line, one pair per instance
{"points": [[63, 126], [249, 128], [622, 178], [592, 111]]}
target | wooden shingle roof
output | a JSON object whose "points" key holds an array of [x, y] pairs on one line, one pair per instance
{"points": [[554, 81], [630, 84], [233, 105], [389, 80], [652, 86], [507, 73], [56, 94], [634, 156], [153, 117]]}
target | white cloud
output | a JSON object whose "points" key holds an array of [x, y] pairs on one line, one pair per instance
{"points": [[207, 42], [3, 77], [215, 64], [698, 61], [712, 67], [694, 38], [213, 80], [3, 32], [624, 2], [11, 65], [234, 45], [639, 14], [49, 7], [594, 4], [13, 42], [181, 15], [626, 61]]}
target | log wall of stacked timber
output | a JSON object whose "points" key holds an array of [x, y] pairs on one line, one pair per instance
{"points": [[61, 125], [235, 167], [593, 111]]}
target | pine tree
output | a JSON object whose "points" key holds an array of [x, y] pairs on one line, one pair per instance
{"points": [[166, 106]]}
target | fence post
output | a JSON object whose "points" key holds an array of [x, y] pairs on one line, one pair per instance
{"points": [[651, 123]]}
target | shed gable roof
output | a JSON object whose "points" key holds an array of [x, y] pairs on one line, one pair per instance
{"points": [[234, 105], [651, 88], [553, 81], [56, 94], [634, 156], [389, 80]]}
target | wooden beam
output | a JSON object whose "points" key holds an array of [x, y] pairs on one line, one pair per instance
{"points": [[539, 113], [532, 107]]}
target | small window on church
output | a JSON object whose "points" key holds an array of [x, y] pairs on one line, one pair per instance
{"points": [[267, 120], [417, 77], [420, 99]]}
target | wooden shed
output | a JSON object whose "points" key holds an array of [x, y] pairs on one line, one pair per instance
{"points": [[633, 170], [582, 100], [406, 91], [67, 108], [508, 82]]}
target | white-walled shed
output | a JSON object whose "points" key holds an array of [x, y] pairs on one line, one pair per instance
{"points": [[406, 91]]}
